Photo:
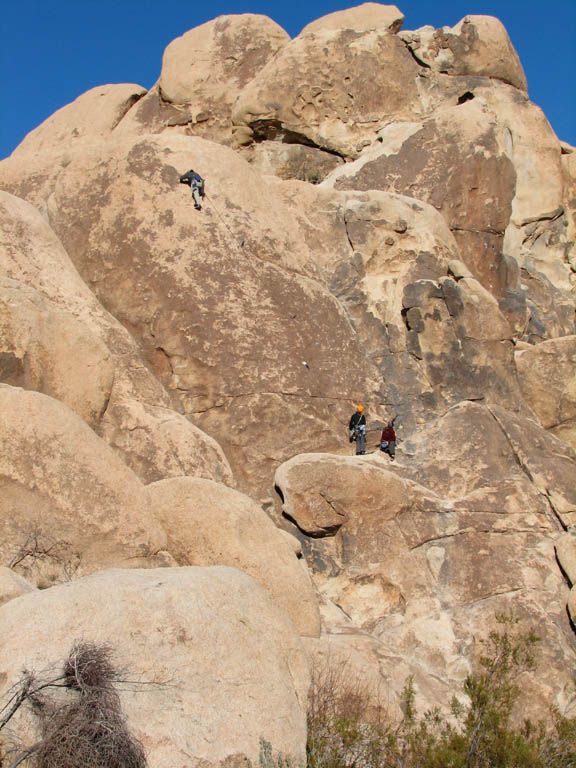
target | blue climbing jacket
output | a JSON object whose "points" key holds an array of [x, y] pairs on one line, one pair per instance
{"points": [[193, 180]]}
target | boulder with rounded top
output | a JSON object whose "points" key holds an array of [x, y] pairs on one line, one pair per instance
{"points": [[68, 503], [215, 665], [477, 45], [365, 17], [208, 524], [332, 88], [204, 70]]}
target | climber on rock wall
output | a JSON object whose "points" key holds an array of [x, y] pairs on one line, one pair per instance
{"points": [[388, 440], [196, 184], [357, 427]]}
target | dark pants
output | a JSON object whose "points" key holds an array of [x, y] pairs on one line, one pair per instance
{"points": [[389, 448]]}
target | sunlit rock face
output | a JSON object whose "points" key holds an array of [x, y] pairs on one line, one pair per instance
{"points": [[388, 220]]}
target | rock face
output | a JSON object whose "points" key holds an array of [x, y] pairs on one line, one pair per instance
{"points": [[221, 665], [415, 554], [365, 17], [93, 116], [66, 498], [330, 87], [99, 372], [42, 348], [548, 380], [477, 46], [205, 69], [12, 585], [390, 221], [208, 524], [454, 162]]}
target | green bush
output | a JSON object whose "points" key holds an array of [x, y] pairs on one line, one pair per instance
{"points": [[349, 728]]}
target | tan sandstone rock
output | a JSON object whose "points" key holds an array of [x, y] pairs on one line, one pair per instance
{"points": [[291, 161], [268, 315], [365, 17], [572, 604], [456, 161], [224, 326], [547, 374], [334, 87], [12, 585], [228, 666], [92, 116], [208, 67], [566, 554], [139, 422], [477, 45], [208, 524], [350, 663], [568, 159], [48, 350], [66, 496], [419, 552], [157, 442]]}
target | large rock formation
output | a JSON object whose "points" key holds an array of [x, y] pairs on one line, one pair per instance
{"points": [[208, 524], [388, 220], [217, 666], [477, 45], [122, 398], [67, 503], [419, 554]]}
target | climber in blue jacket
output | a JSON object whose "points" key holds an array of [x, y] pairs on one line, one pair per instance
{"points": [[196, 184]]}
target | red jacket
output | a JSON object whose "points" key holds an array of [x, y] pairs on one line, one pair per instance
{"points": [[388, 435]]}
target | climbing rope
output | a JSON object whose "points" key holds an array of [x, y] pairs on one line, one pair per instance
{"points": [[240, 246]]}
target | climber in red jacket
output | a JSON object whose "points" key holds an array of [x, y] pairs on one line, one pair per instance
{"points": [[388, 440]]}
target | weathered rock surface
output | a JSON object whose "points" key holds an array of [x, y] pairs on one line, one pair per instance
{"points": [[568, 161], [92, 116], [396, 227], [48, 350], [228, 666], [140, 421], [208, 524], [292, 161], [332, 88], [566, 554], [208, 67], [547, 375], [362, 18], [12, 585], [199, 317], [477, 46], [453, 161], [66, 496], [416, 553]]}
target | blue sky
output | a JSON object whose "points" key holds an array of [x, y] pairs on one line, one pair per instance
{"points": [[51, 52]]}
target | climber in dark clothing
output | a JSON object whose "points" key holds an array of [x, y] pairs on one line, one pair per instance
{"points": [[357, 427], [196, 184], [388, 440]]}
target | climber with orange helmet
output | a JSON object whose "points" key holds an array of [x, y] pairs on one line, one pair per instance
{"points": [[357, 428]]}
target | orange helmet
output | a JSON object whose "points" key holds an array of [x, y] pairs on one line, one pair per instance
{"points": [[360, 408]]}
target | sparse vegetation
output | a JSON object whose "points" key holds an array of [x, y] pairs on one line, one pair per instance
{"points": [[349, 728], [37, 551]]}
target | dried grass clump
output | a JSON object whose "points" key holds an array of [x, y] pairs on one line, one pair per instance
{"points": [[88, 731]]}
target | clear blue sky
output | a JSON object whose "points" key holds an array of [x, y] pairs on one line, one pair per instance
{"points": [[51, 51]]}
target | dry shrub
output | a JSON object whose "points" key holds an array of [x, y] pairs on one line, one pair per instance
{"points": [[88, 731], [348, 728], [38, 553], [348, 724]]}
